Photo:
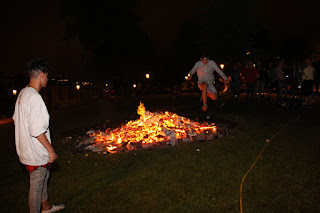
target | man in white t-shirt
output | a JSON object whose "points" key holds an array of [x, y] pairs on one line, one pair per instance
{"points": [[204, 69], [307, 83], [32, 136]]}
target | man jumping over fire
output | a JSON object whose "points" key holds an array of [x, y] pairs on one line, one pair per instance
{"points": [[204, 69]]}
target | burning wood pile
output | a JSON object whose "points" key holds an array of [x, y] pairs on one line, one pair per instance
{"points": [[151, 130]]}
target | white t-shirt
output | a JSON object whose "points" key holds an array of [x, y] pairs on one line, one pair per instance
{"points": [[205, 71], [31, 119], [308, 73]]}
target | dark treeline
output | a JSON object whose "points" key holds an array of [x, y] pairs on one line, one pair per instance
{"points": [[110, 32]]}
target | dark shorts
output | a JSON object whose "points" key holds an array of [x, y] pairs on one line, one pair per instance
{"points": [[307, 87]]}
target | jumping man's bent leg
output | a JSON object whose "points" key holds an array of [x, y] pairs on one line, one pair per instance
{"points": [[213, 96]]}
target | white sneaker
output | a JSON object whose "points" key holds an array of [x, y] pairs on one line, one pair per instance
{"points": [[54, 208]]}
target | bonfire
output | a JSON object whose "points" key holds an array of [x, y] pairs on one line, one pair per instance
{"points": [[151, 130]]}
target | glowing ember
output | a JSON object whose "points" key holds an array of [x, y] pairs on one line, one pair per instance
{"points": [[150, 130]]}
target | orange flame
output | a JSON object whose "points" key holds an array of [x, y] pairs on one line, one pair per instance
{"points": [[141, 109], [150, 130]]}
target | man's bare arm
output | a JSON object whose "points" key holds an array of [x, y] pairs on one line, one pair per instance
{"points": [[44, 141]]}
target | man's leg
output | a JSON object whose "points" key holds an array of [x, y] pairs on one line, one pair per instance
{"points": [[258, 88], [204, 87], [316, 87], [252, 91], [37, 179], [254, 94], [269, 90], [309, 100], [213, 96], [280, 87], [212, 92], [44, 196], [204, 93], [247, 93], [285, 87]]}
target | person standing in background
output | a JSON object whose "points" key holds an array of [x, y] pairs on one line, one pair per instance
{"points": [[307, 83], [281, 83], [250, 74]]}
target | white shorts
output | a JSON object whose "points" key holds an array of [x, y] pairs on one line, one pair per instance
{"points": [[210, 89]]}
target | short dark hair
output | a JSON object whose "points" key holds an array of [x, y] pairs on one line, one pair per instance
{"points": [[203, 54], [35, 66], [308, 58]]}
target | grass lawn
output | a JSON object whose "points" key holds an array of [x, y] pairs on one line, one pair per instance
{"points": [[182, 179]]}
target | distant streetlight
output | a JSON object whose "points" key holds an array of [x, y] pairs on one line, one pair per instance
{"points": [[147, 76], [222, 66], [78, 87], [134, 85], [107, 85], [248, 53], [14, 92]]}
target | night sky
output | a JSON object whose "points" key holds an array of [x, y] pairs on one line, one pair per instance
{"points": [[169, 32]]}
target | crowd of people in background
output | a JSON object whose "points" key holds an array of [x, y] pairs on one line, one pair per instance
{"points": [[293, 82], [285, 82]]}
